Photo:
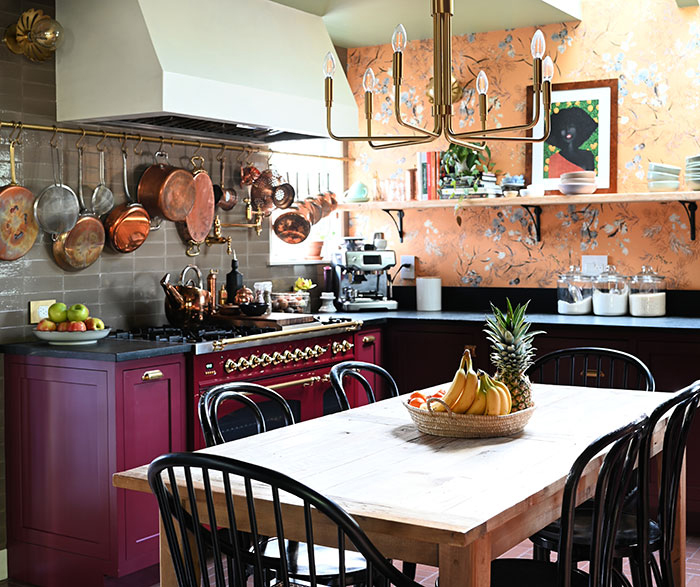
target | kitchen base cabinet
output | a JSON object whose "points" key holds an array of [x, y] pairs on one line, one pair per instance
{"points": [[71, 424], [368, 349]]}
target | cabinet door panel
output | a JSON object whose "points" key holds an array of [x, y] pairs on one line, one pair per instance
{"points": [[368, 349], [151, 427], [64, 469]]}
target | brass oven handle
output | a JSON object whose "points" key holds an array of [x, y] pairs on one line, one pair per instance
{"points": [[306, 382], [152, 375], [368, 339]]}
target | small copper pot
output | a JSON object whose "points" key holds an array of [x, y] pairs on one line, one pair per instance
{"points": [[186, 305], [166, 191]]}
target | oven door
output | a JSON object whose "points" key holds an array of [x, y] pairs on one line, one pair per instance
{"points": [[308, 393]]}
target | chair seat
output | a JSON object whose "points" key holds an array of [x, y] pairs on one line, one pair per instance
{"points": [[509, 572], [626, 537], [326, 560]]}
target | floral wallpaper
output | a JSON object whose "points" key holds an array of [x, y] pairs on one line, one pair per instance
{"points": [[651, 46]]}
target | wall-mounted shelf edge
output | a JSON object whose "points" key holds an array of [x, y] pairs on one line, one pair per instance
{"points": [[533, 205]]}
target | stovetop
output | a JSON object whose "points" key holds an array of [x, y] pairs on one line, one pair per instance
{"points": [[207, 339]]}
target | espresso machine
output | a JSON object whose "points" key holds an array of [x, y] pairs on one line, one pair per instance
{"points": [[361, 279]]}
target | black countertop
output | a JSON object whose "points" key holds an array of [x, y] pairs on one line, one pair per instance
{"points": [[108, 349]]}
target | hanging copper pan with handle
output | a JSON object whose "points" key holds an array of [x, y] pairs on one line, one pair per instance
{"points": [[18, 227], [294, 225], [128, 224], [82, 245], [166, 191], [198, 222]]}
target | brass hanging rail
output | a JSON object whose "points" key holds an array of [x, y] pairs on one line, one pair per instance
{"points": [[159, 139]]}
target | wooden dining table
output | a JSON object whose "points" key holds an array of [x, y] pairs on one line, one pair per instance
{"points": [[453, 503]]}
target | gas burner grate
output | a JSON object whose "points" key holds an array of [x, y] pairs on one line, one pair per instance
{"points": [[168, 333]]}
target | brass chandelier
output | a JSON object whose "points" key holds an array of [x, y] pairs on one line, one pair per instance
{"points": [[442, 12]]}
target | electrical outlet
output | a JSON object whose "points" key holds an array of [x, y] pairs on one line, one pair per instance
{"points": [[39, 310], [408, 272], [593, 264]]}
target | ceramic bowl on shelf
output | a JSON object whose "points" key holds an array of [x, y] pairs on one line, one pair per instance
{"points": [[663, 168], [575, 189], [693, 184], [69, 338], [693, 159], [663, 186], [578, 175], [661, 176]]}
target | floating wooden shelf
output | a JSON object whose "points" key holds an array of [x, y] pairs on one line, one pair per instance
{"points": [[533, 205]]}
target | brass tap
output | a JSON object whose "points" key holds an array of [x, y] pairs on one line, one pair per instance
{"points": [[218, 238]]}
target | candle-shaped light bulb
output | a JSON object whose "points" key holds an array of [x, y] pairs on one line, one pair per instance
{"points": [[399, 39], [538, 45], [329, 65], [547, 69], [482, 83], [368, 80]]}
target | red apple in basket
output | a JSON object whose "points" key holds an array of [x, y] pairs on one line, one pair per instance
{"points": [[77, 326], [63, 326], [94, 324], [46, 325]]}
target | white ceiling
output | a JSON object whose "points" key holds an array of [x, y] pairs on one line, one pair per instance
{"points": [[362, 23]]}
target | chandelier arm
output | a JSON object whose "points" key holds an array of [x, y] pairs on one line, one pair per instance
{"points": [[405, 138], [544, 137], [474, 146], [397, 112], [416, 140], [488, 131]]}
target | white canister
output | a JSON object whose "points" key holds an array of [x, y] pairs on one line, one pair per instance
{"points": [[428, 294]]}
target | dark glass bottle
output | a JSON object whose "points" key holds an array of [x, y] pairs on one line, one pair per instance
{"points": [[234, 280]]}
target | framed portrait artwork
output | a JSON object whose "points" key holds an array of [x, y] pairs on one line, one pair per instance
{"points": [[583, 135]]}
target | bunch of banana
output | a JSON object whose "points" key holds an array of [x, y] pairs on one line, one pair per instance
{"points": [[498, 399], [463, 390]]}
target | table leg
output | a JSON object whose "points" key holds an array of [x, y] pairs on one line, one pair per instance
{"points": [[167, 572], [679, 538], [468, 566]]}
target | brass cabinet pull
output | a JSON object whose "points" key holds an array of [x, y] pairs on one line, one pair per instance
{"points": [[152, 375], [368, 339], [306, 382]]}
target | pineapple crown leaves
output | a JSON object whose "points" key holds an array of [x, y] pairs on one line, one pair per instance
{"points": [[510, 337]]}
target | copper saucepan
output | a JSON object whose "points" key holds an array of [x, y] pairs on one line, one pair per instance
{"points": [[294, 226], [82, 246], [18, 227], [128, 224], [166, 191], [199, 220]]}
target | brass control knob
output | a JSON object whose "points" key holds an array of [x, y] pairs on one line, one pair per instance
{"points": [[319, 350], [243, 364], [347, 345], [337, 348], [254, 361], [288, 357], [299, 355], [277, 358], [266, 360], [310, 353], [230, 365]]}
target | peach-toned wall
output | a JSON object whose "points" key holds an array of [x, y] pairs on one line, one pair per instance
{"points": [[651, 46]]}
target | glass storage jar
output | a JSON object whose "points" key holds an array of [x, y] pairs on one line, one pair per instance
{"points": [[574, 292], [610, 293], [647, 293]]}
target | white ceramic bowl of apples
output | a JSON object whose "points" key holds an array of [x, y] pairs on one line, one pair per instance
{"points": [[70, 325]]}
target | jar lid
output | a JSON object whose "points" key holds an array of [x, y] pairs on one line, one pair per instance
{"points": [[647, 275], [575, 273], [609, 274]]}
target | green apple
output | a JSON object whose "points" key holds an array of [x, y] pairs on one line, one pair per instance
{"points": [[94, 324], [57, 312], [78, 313]]}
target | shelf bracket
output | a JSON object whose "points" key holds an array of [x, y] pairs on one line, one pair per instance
{"points": [[399, 223], [690, 208], [535, 213]]}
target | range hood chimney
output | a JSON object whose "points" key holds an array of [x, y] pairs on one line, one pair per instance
{"points": [[248, 70]]}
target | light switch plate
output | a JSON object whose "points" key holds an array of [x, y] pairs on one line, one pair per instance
{"points": [[38, 310], [593, 264], [408, 272]]}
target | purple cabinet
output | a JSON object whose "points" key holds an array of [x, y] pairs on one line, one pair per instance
{"points": [[70, 424]]}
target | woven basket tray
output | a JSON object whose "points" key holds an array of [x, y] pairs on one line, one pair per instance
{"points": [[468, 425]]}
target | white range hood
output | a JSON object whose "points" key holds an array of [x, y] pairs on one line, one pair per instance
{"points": [[249, 68]]}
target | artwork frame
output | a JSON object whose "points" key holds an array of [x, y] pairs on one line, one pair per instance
{"points": [[596, 96]]}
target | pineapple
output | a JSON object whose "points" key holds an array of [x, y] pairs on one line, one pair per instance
{"points": [[512, 354]]}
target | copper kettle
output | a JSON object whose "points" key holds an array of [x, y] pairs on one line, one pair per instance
{"points": [[186, 303]]}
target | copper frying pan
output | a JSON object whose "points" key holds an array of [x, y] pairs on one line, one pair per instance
{"points": [[128, 224], [166, 191], [81, 246], [18, 227], [198, 222]]}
